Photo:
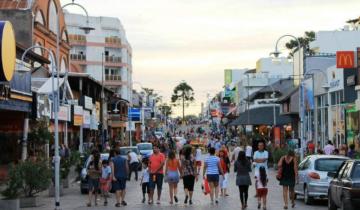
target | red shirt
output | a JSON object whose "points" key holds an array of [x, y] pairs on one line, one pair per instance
{"points": [[223, 165], [155, 161]]}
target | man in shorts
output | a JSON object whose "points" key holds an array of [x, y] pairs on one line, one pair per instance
{"points": [[156, 169], [120, 171]]}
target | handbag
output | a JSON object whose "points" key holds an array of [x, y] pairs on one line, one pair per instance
{"points": [[205, 187]]}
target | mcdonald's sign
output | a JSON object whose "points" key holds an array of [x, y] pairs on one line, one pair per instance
{"points": [[345, 59]]}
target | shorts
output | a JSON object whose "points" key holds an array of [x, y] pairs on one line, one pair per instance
{"points": [[198, 163], [172, 177], [119, 184], [212, 177], [94, 184], [189, 182], [156, 180], [145, 188], [261, 192]]}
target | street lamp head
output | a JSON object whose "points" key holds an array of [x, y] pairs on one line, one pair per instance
{"points": [[116, 110], [87, 29], [276, 53], [325, 86]]}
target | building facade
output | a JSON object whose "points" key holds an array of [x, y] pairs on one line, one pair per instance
{"points": [[105, 53]]}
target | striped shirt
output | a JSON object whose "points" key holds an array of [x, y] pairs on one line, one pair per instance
{"points": [[212, 165]]}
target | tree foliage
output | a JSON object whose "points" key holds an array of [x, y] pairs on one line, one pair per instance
{"points": [[166, 110], [150, 93], [183, 94], [308, 37]]}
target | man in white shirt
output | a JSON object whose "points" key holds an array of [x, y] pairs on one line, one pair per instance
{"points": [[329, 148], [235, 153], [261, 157], [248, 152], [134, 164], [198, 155]]}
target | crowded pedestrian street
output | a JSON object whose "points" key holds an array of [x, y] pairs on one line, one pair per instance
{"points": [[179, 104], [73, 200]]}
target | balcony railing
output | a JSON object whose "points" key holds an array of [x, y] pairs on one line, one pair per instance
{"points": [[77, 38], [113, 59], [113, 40], [113, 77], [78, 57]]}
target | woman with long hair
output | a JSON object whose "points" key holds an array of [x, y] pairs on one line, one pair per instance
{"points": [[94, 173], [261, 187], [288, 169], [225, 165], [189, 172], [172, 171], [242, 168]]}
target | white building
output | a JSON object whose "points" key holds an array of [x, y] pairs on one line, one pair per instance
{"points": [[332, 41], [104, 53], [281, 67]]}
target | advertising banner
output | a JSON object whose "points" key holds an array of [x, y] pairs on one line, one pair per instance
{"points": [[335, 78], [86, 119], [78, 115], [309, 94], [64, 113]]}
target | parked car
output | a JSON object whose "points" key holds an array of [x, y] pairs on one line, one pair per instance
{"points": [[145, 149], [313, 176], [84, 185], [344, 189]]}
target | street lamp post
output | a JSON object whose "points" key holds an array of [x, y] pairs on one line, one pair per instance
{"points": [[276, 53], [55, 97], [87, 30]]}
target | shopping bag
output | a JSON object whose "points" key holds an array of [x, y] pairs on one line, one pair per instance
{"points": [[205, 187]]}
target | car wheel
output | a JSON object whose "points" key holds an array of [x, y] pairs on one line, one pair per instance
{"points": [[307, 198], [331, 204]]}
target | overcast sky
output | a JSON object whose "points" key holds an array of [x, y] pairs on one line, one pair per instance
{"points": [[195, 40]]}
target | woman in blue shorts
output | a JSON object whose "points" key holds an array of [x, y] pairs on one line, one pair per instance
{"points": [[213, 170]]}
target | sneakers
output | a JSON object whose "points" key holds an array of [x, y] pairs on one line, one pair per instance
{"points": [[176, 199], [186, 199], [123, 203], [190, 202], [143, 200]]}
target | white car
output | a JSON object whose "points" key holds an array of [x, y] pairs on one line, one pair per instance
{"points": [[145, 149]]}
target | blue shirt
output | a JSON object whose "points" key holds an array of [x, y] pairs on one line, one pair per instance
{"points": [[212, 163], [217, 146], [120, 167]]}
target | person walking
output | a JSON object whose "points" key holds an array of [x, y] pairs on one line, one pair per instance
{"points": [[288, 167], [242, 168], [120, 171], [94, 173], [172, 175], [144, 183], [260, 159], [105, 180], [225, 166], [156, 169], [261, 187], [329, 148], [198, 154], [249, 152], [212, 169], [190, 174], [134, 164]]}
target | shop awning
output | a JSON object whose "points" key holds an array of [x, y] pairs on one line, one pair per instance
{"points": [[46, 88], [261, 116]]}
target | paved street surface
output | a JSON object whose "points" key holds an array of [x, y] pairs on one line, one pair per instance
{"points": [[73, 200]]}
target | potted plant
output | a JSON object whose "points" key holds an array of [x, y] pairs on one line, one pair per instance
{"points": [[36, 177], [11, 193]]}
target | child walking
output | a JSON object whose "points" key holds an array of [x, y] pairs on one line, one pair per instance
{"points": [[105, 180], [144, 183], [261, 187]]}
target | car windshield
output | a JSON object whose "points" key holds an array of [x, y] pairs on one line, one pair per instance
{"points": [[327, 165], [356, 172], [124, 151], [145, 146]]}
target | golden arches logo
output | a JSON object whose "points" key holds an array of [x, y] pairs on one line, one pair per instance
{"points": [[345, 59]]}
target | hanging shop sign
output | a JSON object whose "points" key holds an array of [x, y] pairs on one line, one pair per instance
{"points": [[7, 51], [345, 59], [87, 119], [336, 78], [88, 103], [94, 122], [78, 115], [350, 80], [64, 113]]}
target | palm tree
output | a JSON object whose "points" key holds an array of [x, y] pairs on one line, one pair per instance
{"points": [[292, 45], [183, 93]]}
